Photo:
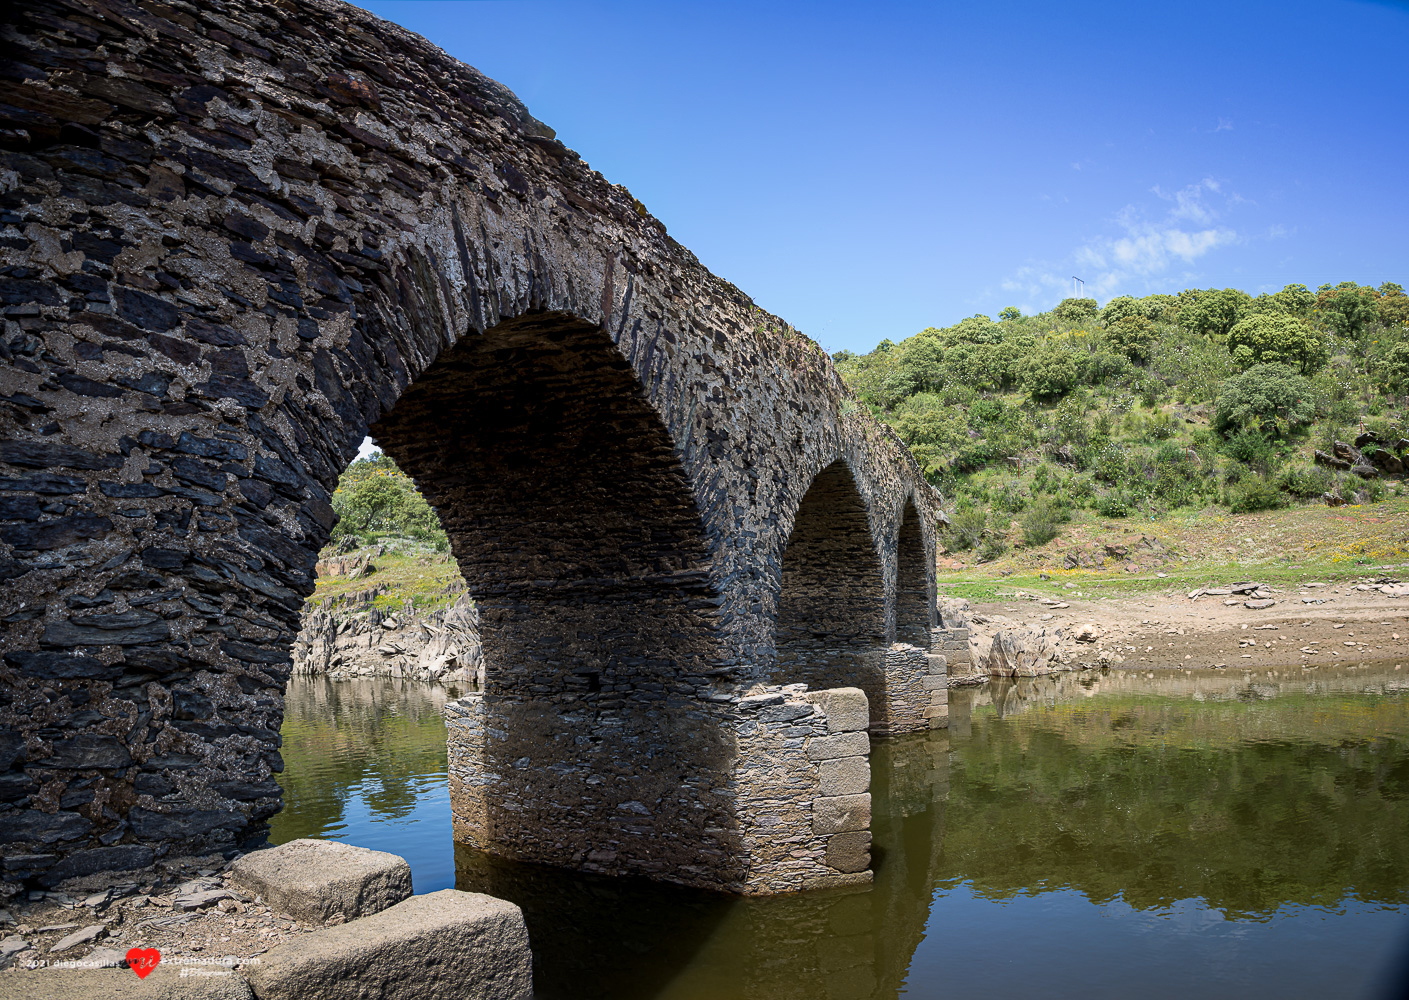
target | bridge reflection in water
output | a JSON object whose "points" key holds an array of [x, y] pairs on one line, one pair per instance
{"points": [[1084, 835]]}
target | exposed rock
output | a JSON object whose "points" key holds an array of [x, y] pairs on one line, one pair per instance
{"points": [[84, 935], [1348, 453], [1258, 605], [1365, 471], [1089, 632], [1385, 460], [440, 646], [1367, 438], [1331, 461]]}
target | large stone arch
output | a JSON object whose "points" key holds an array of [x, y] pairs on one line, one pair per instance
{"points": [[280, 226], [914, 579]]}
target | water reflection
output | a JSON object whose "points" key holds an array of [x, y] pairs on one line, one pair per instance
{"points": [[364, 761], [1083, 835]]}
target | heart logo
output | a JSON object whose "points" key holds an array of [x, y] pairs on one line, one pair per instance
{"points": [[143, 961]]}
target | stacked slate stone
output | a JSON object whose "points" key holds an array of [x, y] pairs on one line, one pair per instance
{"points": [[236, 234]]}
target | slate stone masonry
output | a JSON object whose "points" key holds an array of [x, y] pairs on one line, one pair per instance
{"points": [[234, 237]]}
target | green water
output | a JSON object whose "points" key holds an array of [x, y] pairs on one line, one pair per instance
{"points": [[1090, 835]]}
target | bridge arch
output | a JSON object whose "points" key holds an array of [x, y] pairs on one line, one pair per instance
{"points": [[216, 281], [914, 580]]}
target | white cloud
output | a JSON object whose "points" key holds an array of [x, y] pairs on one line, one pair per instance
{"points": [[1140, 248]]}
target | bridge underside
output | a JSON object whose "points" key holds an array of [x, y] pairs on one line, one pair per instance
{"points": [[283, 226]]}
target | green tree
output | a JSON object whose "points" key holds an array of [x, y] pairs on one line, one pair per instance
{"points": [[1009, 313], [1216, 311], [1277, 338], [1271, 399], [1049, 372], [1347, 308], [1133, 336], [1076, 310], [374, 497]]}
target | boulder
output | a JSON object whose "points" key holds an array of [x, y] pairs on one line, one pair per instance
{"points": [[1384, 460], [1089, 632], [1348, 453], [446, 945], [315, 880], [1365, 471], [1258, 605], [1369, 437], [1331, 461], [1333, 499]]}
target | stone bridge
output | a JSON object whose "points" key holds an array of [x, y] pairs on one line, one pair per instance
{"points": [[236, 237]]}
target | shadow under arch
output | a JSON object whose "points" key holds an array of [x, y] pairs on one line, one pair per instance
{"points": [[578, 537], [831, 624], [914, 599]]}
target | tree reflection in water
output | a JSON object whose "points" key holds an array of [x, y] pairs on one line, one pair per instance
{"points": [[1084, 835]]}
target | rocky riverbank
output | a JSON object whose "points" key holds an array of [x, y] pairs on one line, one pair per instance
{"points": [[365, 641]]}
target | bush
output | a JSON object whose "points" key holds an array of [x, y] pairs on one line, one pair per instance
{"points": [[1216, 311], [966, 527], [1393, 369], [1041, 521], [1076, 310], [1134, 337], [1251, 449], [1307, 482], [1253, 493], [1049, 372], [1270, 399], [991, 548], [1277, 339], [1115, 504]]}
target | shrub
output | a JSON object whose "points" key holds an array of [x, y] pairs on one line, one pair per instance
{"points": [[1271, 399], [966, 527], [1115, 504], [1076, 310], [1253, 493], [1272, 338], [1049, 372], [1308, 482], [1041, 521], [1393, 369], [992, 546], [1216, 311], [1250, 448], [1134, 337]]}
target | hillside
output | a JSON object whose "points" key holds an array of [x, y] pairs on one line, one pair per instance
{"points": [[1202, 401]]}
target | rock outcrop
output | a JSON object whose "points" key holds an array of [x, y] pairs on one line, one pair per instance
{"points": [[1000, 648], [439, 646]]}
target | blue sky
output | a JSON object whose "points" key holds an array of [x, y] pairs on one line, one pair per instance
{"points": [[866, 170]]}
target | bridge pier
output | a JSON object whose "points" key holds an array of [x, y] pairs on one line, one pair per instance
{"points": [[779, 802]]}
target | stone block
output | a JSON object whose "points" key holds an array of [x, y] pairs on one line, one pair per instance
{"points": [[844, 776], [165, 982], [314, 880], [841, 745], [847, 708], [841, 814], [933, 683], [849, 852], [937, 712], [839, 880], [446, 945], [937, 663]]}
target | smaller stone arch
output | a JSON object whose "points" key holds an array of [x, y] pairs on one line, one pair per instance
{"points": [[914, 590], [831, 623]]}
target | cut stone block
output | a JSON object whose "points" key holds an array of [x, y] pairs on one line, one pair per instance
{"points": [[937, 663], [446, 945], [849, 852], [314, 880], [841, 745], [841, 814], [847, 709], [844, 776]]}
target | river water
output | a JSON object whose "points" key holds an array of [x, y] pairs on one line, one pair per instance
{"points": [[1088, 835]]}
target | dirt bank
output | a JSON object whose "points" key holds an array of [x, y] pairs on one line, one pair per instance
{"points": [[1171, 630]]}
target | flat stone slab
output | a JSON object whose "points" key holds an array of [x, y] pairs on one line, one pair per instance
{"points": [[446, 945], [315, 880], [847, 709]]}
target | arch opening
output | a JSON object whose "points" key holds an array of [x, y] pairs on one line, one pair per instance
{"points": [[831, 624], [914, 615], [577, 534]]}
